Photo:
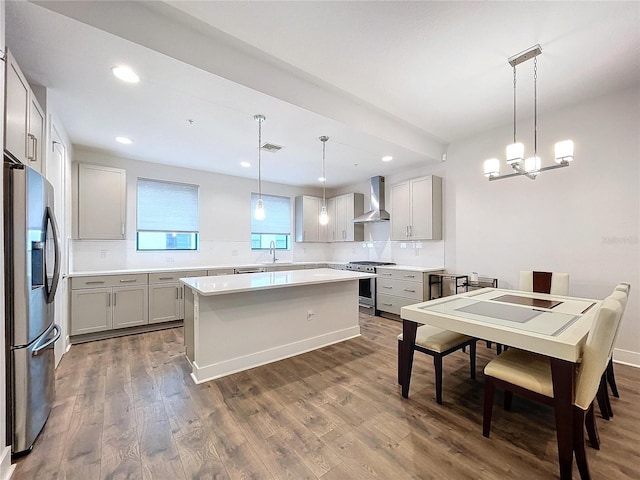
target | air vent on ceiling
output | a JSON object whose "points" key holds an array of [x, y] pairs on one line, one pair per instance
{"points": [[271, 147]]}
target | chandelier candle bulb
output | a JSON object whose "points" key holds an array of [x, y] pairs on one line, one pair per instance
{"points": [[515, 153], [564, 151], [491, 167]]}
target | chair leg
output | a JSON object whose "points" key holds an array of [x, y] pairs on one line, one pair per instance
{"points": [[472, 359], [578, 443], [592, 428], [489, 344], [611, 378], [489, 389], [602, 396], [399, 362], [437, 363], [508, 400], [498, 348]]}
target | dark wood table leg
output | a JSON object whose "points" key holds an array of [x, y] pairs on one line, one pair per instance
{"points": [[408, 342], [562, 373]]}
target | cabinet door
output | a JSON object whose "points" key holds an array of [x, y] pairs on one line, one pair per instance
{"points": [[90, 310], [421, 209], [130, 306], [16, 111], [307, 218], [341, 217], [400, 213], [164, 302], [36, 136], [332, 227], [101, 202]]}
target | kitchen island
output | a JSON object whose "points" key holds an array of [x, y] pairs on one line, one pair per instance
{"points": [[236, 322]]}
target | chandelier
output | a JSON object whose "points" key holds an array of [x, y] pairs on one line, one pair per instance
{"points": [[531, 166]]}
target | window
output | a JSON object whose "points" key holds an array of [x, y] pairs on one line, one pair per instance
{"points": [[167, 215], [276, 227]]}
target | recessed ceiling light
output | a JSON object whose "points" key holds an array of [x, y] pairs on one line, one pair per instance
{"points": [[322, 179], [245, 164], [124, 140], [125, 74], [387, 158]]}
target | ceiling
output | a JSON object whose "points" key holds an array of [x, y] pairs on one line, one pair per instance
{"points": [[379, 78]]}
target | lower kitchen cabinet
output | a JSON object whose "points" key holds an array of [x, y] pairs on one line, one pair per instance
{"points": [[108, 302], [166, 295], [99, 309], [397, 288]]}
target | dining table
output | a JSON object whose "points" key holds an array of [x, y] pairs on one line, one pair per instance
{"points": [[552, 325]]}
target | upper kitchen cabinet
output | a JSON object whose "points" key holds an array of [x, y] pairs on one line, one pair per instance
{"points": [[416, 209], [101, 202], [342, 210], [308, 228], [24, 119]]}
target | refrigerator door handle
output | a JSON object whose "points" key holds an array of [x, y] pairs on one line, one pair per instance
{"points": [[39, 348], [56, 268]]}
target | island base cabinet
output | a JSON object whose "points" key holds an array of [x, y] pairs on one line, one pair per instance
{"points": [[165, 302], [91, 311], [130, 306]]}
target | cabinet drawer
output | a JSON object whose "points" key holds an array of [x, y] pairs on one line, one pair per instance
{"points": [[401, 288], [174, 277], [392, 304], [108, 281], [220, 271], [407, 275]]}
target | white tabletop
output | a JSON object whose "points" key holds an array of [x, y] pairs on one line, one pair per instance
{"points": [[559, 331], [268, 280]]}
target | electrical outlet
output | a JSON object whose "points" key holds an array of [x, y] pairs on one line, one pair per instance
{"points": [[104, 253]]}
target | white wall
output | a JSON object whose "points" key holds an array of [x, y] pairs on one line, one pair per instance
{"points": [[225, 222]]}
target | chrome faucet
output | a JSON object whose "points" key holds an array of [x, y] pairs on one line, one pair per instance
{"points": [[272, 251]]}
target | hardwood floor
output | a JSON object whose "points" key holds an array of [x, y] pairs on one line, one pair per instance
{"points": [[126, 408]]}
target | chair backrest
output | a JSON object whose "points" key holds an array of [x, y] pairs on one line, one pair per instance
{"points": [[595, 355], [621, 297], [624, 287], [545, 282]]}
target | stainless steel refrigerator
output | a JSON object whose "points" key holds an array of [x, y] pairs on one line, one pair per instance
{"points": [[32, 270]]}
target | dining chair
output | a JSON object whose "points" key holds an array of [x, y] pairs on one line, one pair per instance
{"points": [[606, 411], [611, 379], [438, 343], [529, 374], [555, 283]]}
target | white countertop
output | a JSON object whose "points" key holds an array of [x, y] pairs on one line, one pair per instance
{"points": [[191, 268], [411, 268], [250, 282]]}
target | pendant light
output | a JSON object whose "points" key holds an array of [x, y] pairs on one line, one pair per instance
{"points": [[259, 213], [324, 217]]}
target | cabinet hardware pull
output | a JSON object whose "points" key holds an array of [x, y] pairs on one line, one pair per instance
{"points": [[409, 276], [165, 278], [33, 142], [177, 294], [388, 304], [407, 228], [408, 290], [411, 230], [386, 274], [108, 299], [122, 228], [95, 282], [114, 298], [384, 286], [181, 293], [128, 281]]}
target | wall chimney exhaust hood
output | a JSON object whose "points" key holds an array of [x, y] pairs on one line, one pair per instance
{"points": [[377, 212]]}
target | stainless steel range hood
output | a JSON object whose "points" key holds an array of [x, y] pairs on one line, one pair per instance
{"points": [[377, 212]]}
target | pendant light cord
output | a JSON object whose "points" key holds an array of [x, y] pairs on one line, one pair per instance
{"points": [[324, 175], [535, 107], [514, 104], [259, 158]]}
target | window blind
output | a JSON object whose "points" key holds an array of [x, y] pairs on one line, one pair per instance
{"points": [[167, 206], [278, 215]]}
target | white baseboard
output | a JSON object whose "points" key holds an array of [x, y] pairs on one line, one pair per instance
{"points": [[6, 469], [205, 373], [626, 357]]}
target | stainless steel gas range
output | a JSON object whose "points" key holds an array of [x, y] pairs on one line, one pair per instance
{"points": [[367, 295]]}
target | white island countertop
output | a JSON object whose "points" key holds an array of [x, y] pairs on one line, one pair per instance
{"points": [[250, 282]]}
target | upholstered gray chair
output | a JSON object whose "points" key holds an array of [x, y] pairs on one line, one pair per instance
{"points": [[439, 343], [529, 374]]}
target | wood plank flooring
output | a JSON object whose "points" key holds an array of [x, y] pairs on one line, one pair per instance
{"points": [[126, 408]]}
